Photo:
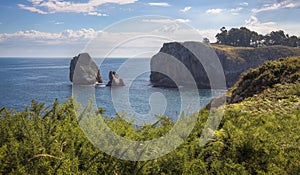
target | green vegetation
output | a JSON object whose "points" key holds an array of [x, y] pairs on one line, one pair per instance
{"points": [[258, 135], [246, 38], [250, 54], [266, 76]]}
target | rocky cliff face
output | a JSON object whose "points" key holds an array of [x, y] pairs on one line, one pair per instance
{"points": [[189, 64], [234, 61], [84, 71]]}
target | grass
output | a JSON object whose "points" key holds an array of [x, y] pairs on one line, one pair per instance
{"points": [[242, 54]]}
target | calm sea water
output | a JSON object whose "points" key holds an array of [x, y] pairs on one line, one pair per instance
{"points": [[43, 80]]}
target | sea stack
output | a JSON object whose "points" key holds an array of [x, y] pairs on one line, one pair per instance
{"points": [[115, 80], [84, 71]]}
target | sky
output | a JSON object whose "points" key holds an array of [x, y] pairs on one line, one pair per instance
{"points": [[130, 28]]}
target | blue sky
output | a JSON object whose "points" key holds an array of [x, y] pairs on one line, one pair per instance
{"points": [[62, 28]]}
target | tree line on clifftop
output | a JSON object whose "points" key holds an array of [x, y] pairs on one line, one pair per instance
{"points": [[244, 37]]}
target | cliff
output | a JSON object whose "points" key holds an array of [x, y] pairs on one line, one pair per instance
{"points": [[234, 61]]}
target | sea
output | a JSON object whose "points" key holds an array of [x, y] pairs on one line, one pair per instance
{"points": [[46, 79]]}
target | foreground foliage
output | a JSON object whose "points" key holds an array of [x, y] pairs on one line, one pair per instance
{"points": [[259, 135]]}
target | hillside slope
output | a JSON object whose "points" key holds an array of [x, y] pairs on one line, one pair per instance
{"points": [[259, 132], [259, 135], [255, 81]]}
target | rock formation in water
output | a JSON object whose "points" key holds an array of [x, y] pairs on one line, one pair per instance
{"points": [[84, 71], [234, 60], [115, 80]]}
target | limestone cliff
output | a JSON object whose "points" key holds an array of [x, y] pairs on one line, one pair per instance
{"points": [[234, 61]]}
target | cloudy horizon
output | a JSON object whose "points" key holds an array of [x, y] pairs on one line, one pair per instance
{"points": [[63, 28]]}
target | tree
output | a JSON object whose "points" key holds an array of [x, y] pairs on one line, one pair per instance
{"points": [[237, 37], [293, 41], [246, 38], [222, 37], [276, 38], [206, 41]]}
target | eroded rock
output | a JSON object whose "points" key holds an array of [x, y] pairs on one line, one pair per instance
{"points": [[84, 71], [115, 80]]}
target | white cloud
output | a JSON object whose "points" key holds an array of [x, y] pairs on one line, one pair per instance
{"points": [[209, 33], [58, 23], [130, 44], [166, 21], [166, 26], [114, 41], [31, 9], [281, 5], [185, 9], [55, 6], [244, 4], [235, 10], [253, 23], [162, 4], [97, 14], [33, 43], [214, 11], [34, 36], [182, 20], [35, 2]]}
